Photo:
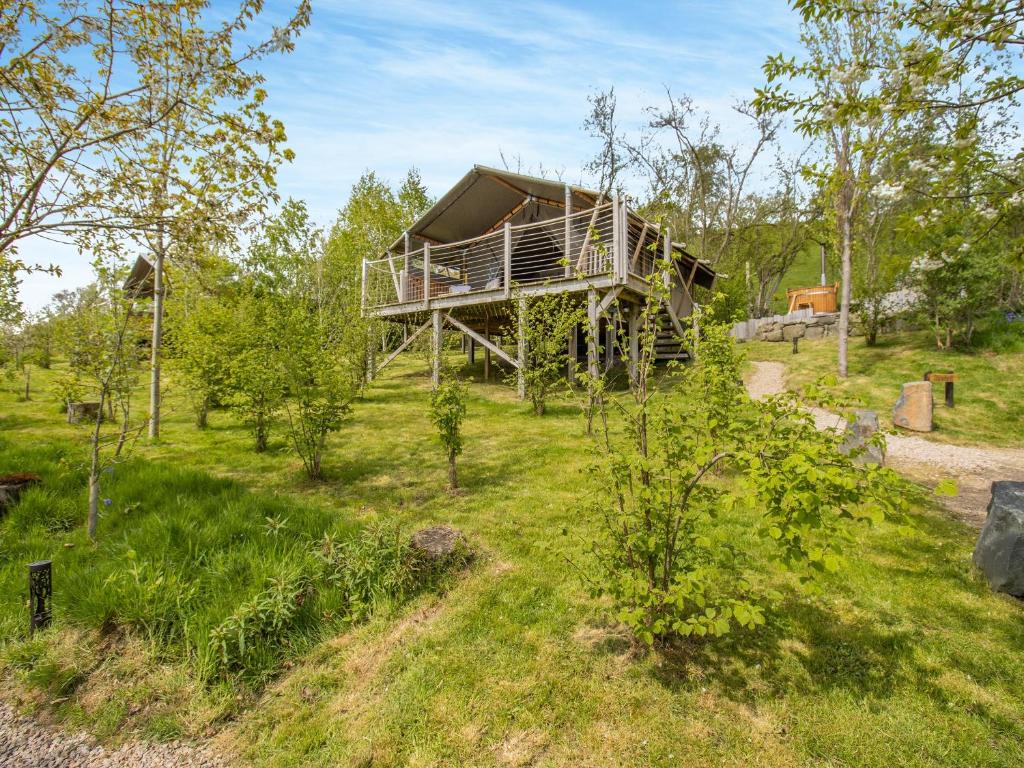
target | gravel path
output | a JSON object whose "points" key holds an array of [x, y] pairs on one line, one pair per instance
{"points": [[973, 467], [25, 743]]}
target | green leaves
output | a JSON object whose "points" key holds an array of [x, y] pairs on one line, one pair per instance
{"points": [[447, 410], [700, 466]]}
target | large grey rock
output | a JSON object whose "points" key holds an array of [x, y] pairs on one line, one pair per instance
{"points": [[773, 335], [793, 331], [814, 332], [1000, 549], [855, 439]]}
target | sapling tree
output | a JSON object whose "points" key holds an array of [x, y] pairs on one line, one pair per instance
{"points": [[200, 350], [95, 330], [447, 410], [303, 348], [254, 377], [547, 321], [837, 95]]}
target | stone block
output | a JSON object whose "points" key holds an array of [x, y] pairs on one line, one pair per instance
{"points": [[999, 552], [855, 439], [913, 410]]}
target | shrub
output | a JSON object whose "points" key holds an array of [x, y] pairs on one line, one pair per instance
{"points": [[697, 457]]}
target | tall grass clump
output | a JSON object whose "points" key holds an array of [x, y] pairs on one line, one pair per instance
{"points": [[205, 573]]}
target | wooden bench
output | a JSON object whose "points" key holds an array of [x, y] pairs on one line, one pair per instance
{"points": [[946, 377]]}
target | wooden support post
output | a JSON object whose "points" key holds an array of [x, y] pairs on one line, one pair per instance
{"points": [[508, 260], [609, 342], [470, 350], [521, 350], [487, 350], [426, 273], [436, 348], [633, 331], [573, 354], [593, 329], [568, 231]]}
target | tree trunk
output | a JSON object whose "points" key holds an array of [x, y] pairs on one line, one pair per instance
{"points": [[846, 255], [201, 414], [94, 473], [28, 376], [453, 481], [158, 322]]}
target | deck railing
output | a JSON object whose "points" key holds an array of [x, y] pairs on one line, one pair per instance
{"points": [[584, 244]]}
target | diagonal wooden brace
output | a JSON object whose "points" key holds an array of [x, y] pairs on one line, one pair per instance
{"points": [[405, 345], [484, 342]]}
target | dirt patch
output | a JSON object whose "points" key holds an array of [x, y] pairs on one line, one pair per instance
{"points": [[974, 468], [521, 748]]}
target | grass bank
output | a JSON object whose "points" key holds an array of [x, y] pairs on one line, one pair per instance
{"points": [[904, 658], [989, 397]]}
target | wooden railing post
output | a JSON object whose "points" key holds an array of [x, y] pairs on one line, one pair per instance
{"points": [[426, 273], [623, 260], [362, 301], [508, 260], [568, 231], [405, 270], [616, 238]]}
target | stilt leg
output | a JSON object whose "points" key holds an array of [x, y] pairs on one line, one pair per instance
{"points": [[521, 351], [436, 346]]}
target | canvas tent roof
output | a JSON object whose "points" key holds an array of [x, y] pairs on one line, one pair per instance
{"points": [[140, 280], [484, 196]]}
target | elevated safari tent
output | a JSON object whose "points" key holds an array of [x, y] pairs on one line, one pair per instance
{"points": [[497, 238]]}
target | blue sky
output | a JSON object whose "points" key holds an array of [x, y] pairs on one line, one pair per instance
{"points": [[390, 84]]}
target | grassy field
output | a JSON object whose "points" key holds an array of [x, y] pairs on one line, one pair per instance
{"points": [[905, 658], [989, 397]]}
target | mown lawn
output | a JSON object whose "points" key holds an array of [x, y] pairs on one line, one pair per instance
{"points": [[904, 658], [989, 396]]}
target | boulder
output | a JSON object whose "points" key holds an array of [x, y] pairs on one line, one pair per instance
{"points": [[1000, 549], [855, 439], [439, 545], [79, 412], [814, 332], [12, 486], [793, 331], [773, 335], [914, 408]]}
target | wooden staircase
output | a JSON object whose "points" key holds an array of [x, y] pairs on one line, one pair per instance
{"points": [[666, 344]]}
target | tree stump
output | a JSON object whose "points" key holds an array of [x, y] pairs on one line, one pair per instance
{"points": [[84, 411], [12, 486], [439, 547]]}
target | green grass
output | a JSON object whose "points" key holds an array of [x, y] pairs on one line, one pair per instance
{"points": [[905, 658], [989, 397]]}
